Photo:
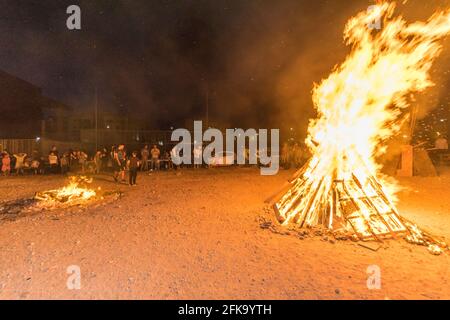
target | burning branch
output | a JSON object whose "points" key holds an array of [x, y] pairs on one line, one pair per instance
{"points": [[76, 192]]}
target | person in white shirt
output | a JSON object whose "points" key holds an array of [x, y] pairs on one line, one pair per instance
{"points": [[173, 155], [20, 162], [197, 156], [53, 161]]}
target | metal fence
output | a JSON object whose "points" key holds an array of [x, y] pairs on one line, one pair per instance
{"points": [[131, 138], [90, 139], [18, 145]]}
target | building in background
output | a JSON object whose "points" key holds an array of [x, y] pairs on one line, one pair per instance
{"points": [[25, 113], [21, 104], [29, 120]]}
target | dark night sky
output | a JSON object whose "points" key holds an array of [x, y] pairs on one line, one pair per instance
{"points": [[155, 59]]}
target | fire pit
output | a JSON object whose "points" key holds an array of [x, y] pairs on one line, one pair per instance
{"points": [[76, 193], [363, 103]]}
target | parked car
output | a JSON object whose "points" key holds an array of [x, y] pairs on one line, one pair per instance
{"points": [[225, 158]]}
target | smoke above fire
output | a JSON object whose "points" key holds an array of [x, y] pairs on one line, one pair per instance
{"points": [[257, 59]]}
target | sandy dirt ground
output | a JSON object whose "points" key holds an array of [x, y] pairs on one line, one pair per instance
{"points": [[197, 235]]}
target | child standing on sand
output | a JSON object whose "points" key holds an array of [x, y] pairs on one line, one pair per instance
{"points": [[133, 166], [6, 164]]}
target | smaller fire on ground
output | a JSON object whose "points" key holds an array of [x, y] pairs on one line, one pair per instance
{"points": [[75, 193]]}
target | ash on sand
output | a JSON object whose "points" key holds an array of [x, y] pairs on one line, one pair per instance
{"points": [[75, 194]]}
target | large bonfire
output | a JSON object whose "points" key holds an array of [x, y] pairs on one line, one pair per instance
{"points": [[360, 105]]}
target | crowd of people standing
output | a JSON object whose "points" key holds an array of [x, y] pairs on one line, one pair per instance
{"points": [[118, 161], [115, 160], [36, 163]]}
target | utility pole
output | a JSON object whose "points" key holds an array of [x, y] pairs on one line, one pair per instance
{"points": [[207, 105], [96, 119]]}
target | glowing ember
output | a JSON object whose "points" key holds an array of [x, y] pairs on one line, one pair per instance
{"points": [[361, 104], [76, 192]]}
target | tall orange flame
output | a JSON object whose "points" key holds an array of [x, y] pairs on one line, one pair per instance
{"points": [[359, 106]]}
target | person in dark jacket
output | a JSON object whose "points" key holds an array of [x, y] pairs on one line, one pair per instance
{"points": [[133, 166], [120, 162]]}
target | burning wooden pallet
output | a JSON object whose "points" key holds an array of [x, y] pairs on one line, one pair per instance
{"points": [[349, 204], [352, 206], [367, 210]]}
